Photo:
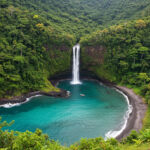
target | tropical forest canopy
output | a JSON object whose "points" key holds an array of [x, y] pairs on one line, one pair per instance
{"points": [[79, 17], [29, 47]]}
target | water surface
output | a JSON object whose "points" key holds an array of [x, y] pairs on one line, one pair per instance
{"points": [[91, 111]]}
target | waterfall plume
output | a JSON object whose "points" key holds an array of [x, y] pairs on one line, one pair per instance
{"points": [[76, 63]]}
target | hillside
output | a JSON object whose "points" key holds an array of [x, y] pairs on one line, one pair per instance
{"points": [[29, 47], [120, 54], [84, 16]]}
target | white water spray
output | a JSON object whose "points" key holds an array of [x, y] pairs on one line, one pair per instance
{"points": [[76, 63]]}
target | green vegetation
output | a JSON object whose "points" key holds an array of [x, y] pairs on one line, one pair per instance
{"points": [[125, 54], [36, 38], [124, 51], [30, 52], [79, 17], [38, 141]]}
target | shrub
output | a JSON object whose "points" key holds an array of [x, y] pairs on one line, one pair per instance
{"points": [[133, 136]]}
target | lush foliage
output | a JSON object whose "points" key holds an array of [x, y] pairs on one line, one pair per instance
{"points": [[38, 141], [124, 51], [35, 40], [30, 51], [126, 54], [80, 17]]}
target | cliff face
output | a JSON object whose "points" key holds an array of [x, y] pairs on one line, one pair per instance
{"points": [[94, 54], [93, 60], [60, 58]]}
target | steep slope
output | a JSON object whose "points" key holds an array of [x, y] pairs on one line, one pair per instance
{"points": [[35, 40], [84, 16], [121, 54], [30, 52]]}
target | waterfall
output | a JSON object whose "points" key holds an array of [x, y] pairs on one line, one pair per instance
{"points": [[76, 63]]}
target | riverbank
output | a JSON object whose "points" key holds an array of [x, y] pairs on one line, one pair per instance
{"points": [[23, 98]]}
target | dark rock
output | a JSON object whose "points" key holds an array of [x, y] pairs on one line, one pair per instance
{"points": [[23, 98]]}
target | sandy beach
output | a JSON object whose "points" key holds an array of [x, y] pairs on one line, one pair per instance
{"points": [[135, 121]]}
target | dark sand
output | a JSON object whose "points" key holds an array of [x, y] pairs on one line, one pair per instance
{"points": [[23, 97], [135, 121]]}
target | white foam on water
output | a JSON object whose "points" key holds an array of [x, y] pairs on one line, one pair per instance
{"points": [[10, 105], [114, 134]]}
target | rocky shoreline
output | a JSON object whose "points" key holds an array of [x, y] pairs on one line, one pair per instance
{"points": [[23, 98]]}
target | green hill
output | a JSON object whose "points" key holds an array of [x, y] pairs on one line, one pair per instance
{"points": [[29, 50], [80, 17], [120, 54]]}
